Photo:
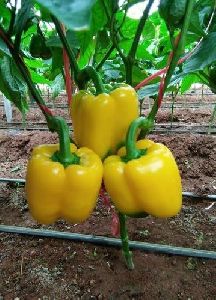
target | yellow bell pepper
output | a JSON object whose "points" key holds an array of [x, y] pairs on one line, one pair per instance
{"points": [[55, 192], [101, 122], [148, 184]]}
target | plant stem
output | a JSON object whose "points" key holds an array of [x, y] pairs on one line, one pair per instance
{"points": [[160, 72], [80, 76], [131, 151], [181, 44], [64, 155], [132, 53], [57, 124], [125, 242], [90, 73], [212, 120], [12, 20], [113, 33], [174, 60], [71, 55], [25, 73], [106, 56]]}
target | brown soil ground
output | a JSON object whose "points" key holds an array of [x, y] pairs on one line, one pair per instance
{"points": [[44, 268]]}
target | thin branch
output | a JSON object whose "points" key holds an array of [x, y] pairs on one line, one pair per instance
{"points": [[179, 48], [125, 14], [140, 27], [71, 55], [26, 75], [12, 20], [106, 10], [114, 38], [106, 56], [211, 19], [183, 59], [129, 61]]}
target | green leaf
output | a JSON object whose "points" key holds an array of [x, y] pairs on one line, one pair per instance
{"points": [[98, 20], [187, 82], [57, 63], [149, 30], [138, 75], [35, 63], [203, 56], [156, 19], [103, 44], [22, 16], [12, 84], [85, 38], [99, 17], [54, 41], [112, 74], [4, 48], [45, 14], [37, 78], [129, 26], [86, 56], [126, 45], [143, 53], [149, 90], [195, 25], [112, 70], [5, 14], [132, 2], [74, 14], [57, 85]]}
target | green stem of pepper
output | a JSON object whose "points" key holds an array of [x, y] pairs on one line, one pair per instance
{"points": [[125, 241], [131, 151], [64, 155], [90, 73], [81, 77]]}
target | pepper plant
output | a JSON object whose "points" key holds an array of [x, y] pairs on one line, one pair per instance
{"points": [[95, 47]]}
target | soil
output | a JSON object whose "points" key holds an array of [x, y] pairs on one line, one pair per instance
{"points": [[44, 268]]}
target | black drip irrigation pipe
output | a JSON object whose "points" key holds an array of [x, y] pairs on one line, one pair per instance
{"points": [[111, 242], [13, 180], [160, 129], [206, 197], [157, 125], [144, 106], [184, 194]]}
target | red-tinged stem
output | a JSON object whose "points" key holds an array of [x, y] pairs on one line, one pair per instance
{"points": [[163, 79], [125, 242], [115, 229], [45, 109], [68, 79], [160, 72], [173, 61], [161, 91]]}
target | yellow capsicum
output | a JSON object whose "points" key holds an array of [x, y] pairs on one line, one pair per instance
{"points": [[101, 122], [55, 192], [143, 178]]}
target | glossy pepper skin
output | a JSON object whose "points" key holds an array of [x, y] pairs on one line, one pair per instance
{"points": [[55, 192], [101, 122], [149, 184]]}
